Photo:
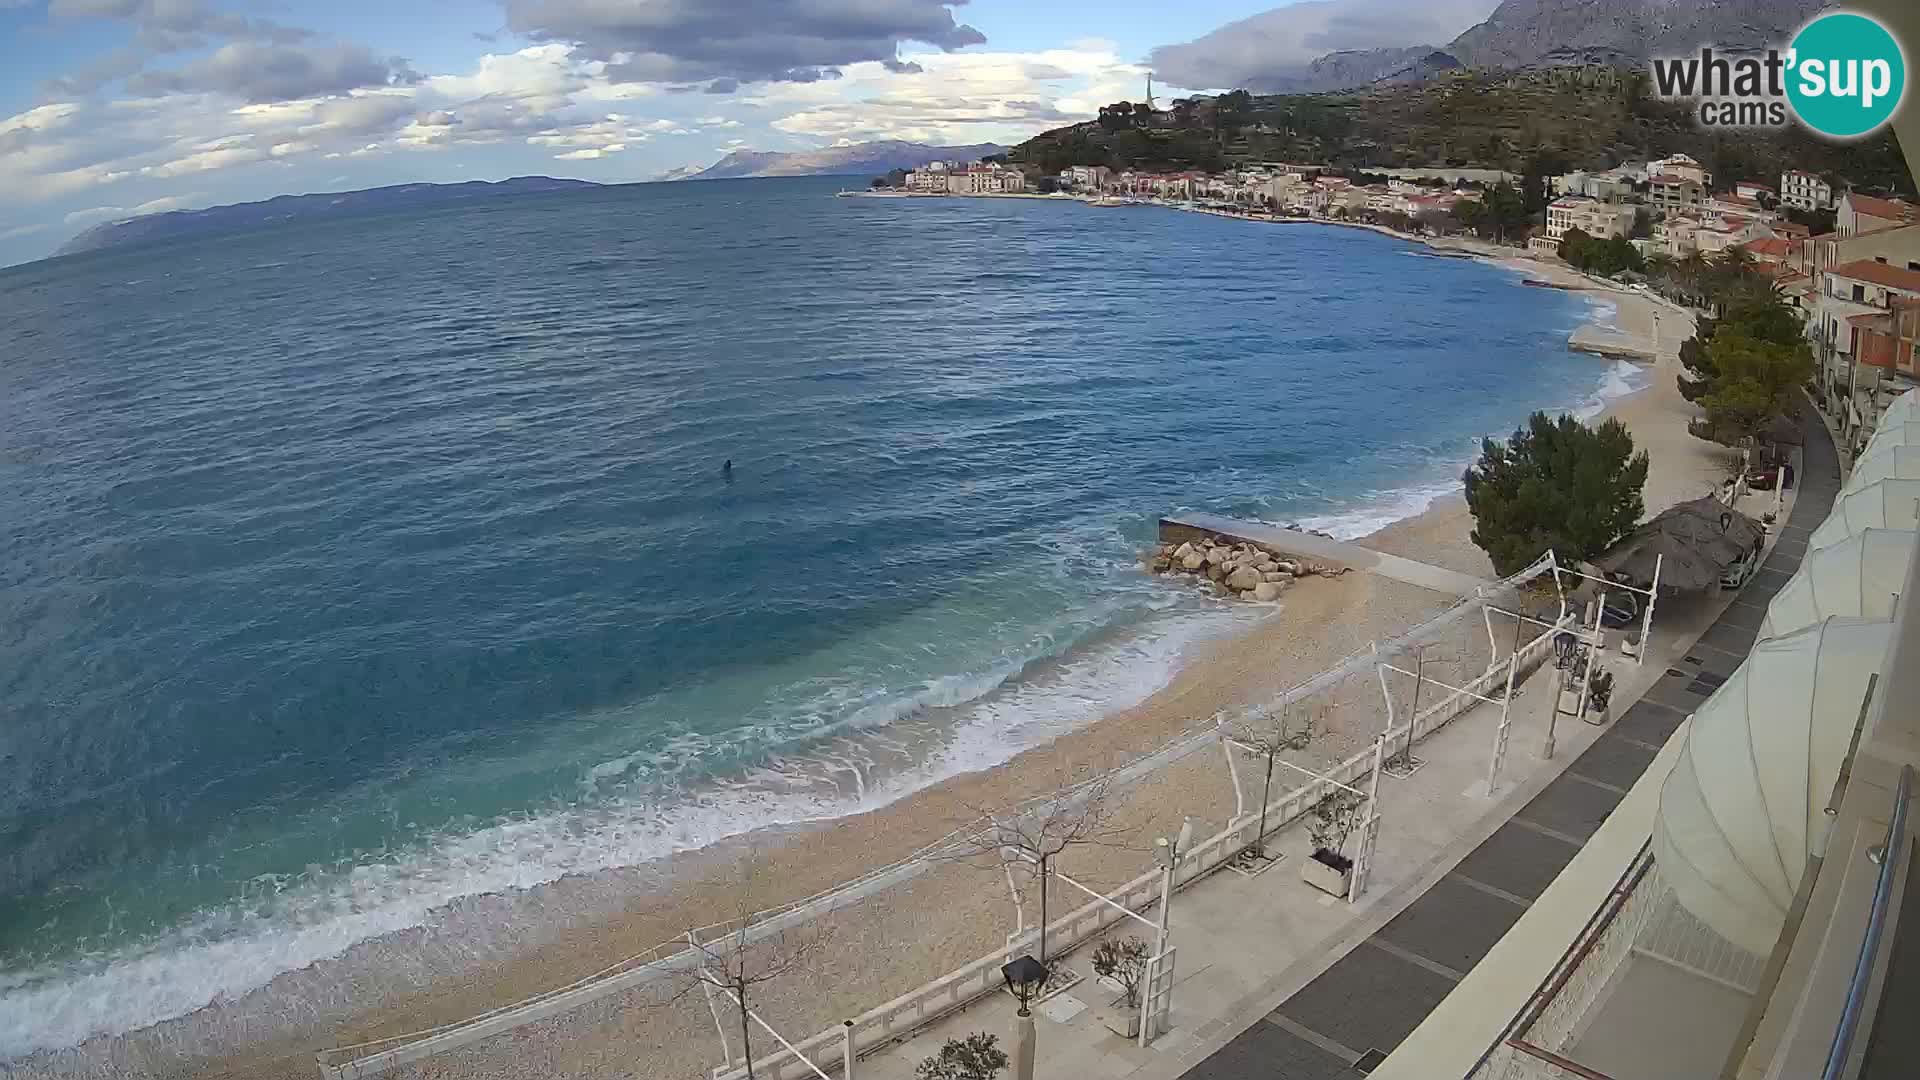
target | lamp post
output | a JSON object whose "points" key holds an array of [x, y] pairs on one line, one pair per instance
{"points": [[1024, 976]]}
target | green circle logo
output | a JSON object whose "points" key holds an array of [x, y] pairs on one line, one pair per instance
{"points": [[1845, 75]]}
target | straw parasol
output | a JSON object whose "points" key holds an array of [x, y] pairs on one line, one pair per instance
{"points": [[1693, 541]]}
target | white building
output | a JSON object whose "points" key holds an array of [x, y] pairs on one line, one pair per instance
{"points": [[1599, 219], [1804, 190]]}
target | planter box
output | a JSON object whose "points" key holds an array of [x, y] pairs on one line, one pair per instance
{"points": [[1328, 871], [1121, 1019]]}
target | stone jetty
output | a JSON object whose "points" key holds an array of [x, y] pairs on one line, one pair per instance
{"points": [[1247, 570]]}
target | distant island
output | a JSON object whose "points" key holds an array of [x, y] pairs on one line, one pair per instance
{"points": [[854, 159], [291, 209]]}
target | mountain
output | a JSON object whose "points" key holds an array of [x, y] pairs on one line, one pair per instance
{"points": [[854, 159], [1363, 67], [1553, 33], [290, 209], [1526, 33]]}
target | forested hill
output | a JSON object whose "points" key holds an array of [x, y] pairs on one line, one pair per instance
{"points": [[1544, 120]]}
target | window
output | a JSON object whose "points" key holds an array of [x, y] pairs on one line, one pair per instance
{"points": [[1860, 292], [1881, 259]]}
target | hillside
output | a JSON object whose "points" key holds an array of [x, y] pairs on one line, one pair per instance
{"points": [[1540, 121], [1518, 34], [854, 159], [290, 209]]}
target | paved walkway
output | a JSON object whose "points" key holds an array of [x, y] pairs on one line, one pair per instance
{"points": [[1338, 552], [1347, 1020]]}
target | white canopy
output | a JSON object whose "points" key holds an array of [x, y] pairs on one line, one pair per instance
{"points": [[1907, 434], [1860, 576], [1890, 504], [1743, 808], [1896, 462], [1901, 410]]}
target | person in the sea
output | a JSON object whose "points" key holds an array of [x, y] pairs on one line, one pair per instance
{"points": [[726, 469]]}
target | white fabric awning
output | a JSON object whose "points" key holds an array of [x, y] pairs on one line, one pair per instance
{"points": [[1888, 462], [1893, 434], [1904, 409], [1884, 504], [1743, 808], [1860, 576]]}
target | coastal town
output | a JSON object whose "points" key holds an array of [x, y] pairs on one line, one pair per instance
{"points": [[1846, 261]]}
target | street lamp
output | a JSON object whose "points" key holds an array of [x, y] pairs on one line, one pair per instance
{"points": [[1024, 977]]}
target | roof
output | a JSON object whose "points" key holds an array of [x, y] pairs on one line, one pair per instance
{"points": [[1890, 209], [1737, 200], [1753, 184], [1804, 173], [1768, 245], [1890, 277]]}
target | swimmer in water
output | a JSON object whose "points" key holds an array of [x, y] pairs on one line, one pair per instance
{"points": [[726, 469]]}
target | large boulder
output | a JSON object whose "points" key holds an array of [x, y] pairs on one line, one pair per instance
{"points": [[1193, 560], [1216, 572], [1243, 579], [1183, 551], [1268, 590], [1218, 556], [1277, 575]]}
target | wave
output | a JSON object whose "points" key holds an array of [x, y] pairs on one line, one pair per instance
{"points": [[1623, 378], [880, 753]]}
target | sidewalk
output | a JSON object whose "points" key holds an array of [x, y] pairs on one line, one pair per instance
{"points": [[1355, 1012], [1246, 942]]}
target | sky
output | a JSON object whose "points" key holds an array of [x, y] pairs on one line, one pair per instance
{"points": [[113, 108]]}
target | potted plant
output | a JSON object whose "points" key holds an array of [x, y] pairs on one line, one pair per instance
{"points": [[1600, 694], [1123, 962], [1332, 820], [976, 1057]]}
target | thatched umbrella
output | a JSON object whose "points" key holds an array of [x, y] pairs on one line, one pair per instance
{"points": [[1694, 542]]}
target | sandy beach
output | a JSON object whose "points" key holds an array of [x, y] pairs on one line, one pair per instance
{"points": [[947, 916]]}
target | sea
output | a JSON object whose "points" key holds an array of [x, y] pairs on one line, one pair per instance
{"points": [[351, 570]]}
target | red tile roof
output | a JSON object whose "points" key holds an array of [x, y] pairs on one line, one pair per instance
{"points": [[1889, 209], [1891, 277], [1768, 245]]}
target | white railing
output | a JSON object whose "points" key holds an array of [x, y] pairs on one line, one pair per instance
{"points": [[908, 1013], [917, 1008]]}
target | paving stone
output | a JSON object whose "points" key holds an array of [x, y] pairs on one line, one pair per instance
{"points": [[1453, 924], [1614, 760], [1649, 723], [1371, 999], [1518, 860], [1571, 807], [1265, 1051]]}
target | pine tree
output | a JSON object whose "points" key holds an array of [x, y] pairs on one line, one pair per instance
{"points": [[1555, 485]]}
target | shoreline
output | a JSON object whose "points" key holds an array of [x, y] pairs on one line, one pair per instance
{"points": [[618, 913]]}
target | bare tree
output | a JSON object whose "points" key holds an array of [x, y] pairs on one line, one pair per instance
{"points": [[1420, 660], [751, 954], [1270, 736], [1030, 837]]}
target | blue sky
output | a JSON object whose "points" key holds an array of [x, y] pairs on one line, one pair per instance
{"points": [[110, 108]]}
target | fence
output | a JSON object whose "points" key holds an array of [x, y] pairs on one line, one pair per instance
{"points": [[911, 1011]]}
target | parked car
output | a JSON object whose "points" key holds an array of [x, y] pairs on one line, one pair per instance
{"points": [[1736, 574], [1763, 478]]}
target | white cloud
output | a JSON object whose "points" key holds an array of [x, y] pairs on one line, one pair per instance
{"points": [[962, 98], [22, 230]]}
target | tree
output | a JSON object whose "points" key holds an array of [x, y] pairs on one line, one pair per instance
{"points": [[1269, 737], [1556, 485], [1124, 960], [1754, 382], [976, 1057], [737, 962], [1028, 838], [1505, 210], [1642, 224]]}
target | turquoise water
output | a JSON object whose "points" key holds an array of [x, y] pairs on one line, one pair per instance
{"points": [[348, 571]]}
